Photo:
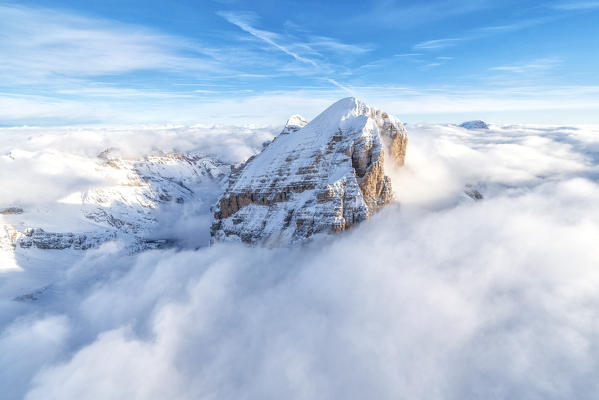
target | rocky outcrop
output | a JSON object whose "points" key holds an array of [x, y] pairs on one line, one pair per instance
{"points": [[324, 177], [11, 211], [33, 296], [40, 239], [37, 237], [472, 192]]}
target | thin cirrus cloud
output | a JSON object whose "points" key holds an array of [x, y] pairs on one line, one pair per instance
{"points": [[516, 26], [535, 66], [41, 43], [431, 65], [407, 16], [331, 44], [315, 45], [483, 32], [438, 43], [576, 5], [243, 21], [322, 69]]}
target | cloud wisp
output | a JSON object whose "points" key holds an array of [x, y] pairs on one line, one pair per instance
{"points": [[438, 44], [321, 69], [408, 16], [576, 5], [535, 66], [241, 20], [483, 32]]}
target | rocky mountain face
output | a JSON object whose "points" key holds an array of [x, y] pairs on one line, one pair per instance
{"points": [[323, 176]]}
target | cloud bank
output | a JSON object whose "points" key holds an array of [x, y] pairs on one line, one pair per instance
{"points": [[436, 297]]}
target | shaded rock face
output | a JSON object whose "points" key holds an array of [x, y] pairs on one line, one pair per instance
{"points": [[323, 177], [37, 237], [472, 192], [11, 211]]}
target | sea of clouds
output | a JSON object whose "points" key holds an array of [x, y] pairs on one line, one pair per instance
{"points": [[436, 297]]}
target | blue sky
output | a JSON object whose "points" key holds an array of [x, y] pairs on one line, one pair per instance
{"points": [[256, 62]]}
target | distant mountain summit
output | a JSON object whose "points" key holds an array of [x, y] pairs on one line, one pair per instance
{"points": [[476, 124], [322, 176]]}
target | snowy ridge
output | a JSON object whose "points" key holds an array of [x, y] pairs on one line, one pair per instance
{"points": [[143, 185], [125, 206]]}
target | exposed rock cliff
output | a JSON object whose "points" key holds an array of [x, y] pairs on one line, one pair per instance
{"points": [[37, 237], [323, 177], [11, 211]]}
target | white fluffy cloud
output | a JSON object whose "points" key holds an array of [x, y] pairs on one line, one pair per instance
{"points": [[40, 165], [439, 297]]}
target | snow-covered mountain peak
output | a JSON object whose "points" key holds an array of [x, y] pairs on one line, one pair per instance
{"points": [[351, 115], [341, 114], [327, 177]]}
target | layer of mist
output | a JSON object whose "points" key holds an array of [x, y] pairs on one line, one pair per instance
{"points": [[438, 296]]}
